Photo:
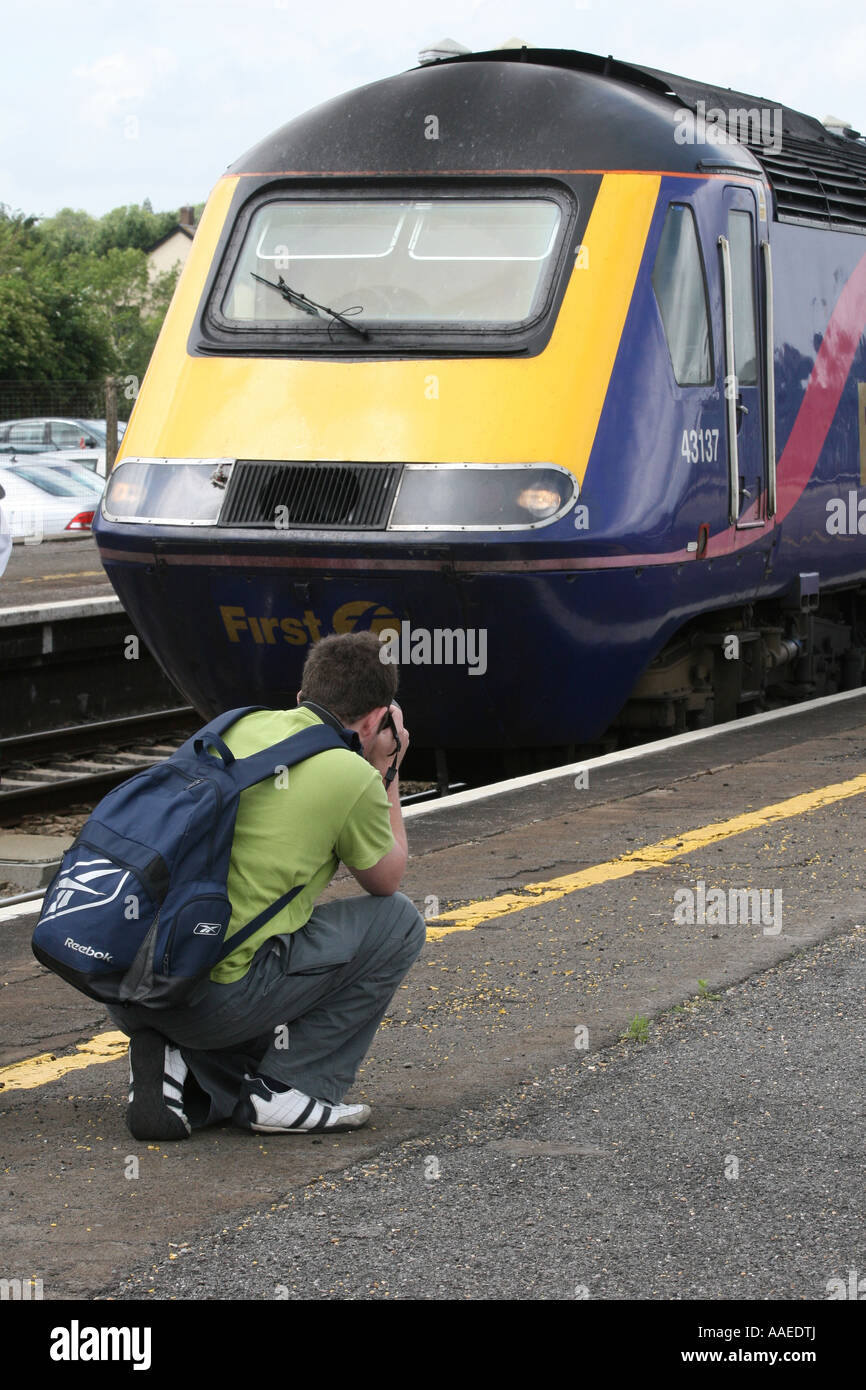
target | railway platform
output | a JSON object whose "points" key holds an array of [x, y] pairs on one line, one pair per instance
{"points": [[65, 567], [628, 1063], [68, 651]]}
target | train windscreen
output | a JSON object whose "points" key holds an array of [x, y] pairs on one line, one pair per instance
{"points": [[452, 261]]}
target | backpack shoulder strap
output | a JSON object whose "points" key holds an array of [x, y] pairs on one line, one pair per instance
{"points": [[225, 721], [318, 738], [246, 772], [216, 727], [244, 933]]}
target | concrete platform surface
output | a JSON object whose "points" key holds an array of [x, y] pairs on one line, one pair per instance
{"points": [[30, 861], [55, 569], [561, 917]]}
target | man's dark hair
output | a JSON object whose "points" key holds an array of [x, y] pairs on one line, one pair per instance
{"points": [[344, 674]]}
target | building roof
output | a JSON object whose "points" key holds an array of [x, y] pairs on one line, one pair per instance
{"points": [[187, 232]]}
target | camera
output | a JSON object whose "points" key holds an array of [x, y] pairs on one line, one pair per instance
{"points": [[388, 723]]}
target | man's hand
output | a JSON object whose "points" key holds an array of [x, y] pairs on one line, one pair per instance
{"points": [[382, 747], [385, 877]]}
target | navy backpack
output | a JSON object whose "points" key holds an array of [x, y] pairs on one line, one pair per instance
{"points": [[138, 910]]}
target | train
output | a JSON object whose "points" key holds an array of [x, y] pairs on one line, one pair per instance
{"points": [[547, 367]]}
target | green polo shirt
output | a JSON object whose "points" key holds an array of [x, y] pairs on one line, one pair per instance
{"points": [[296, 827]]}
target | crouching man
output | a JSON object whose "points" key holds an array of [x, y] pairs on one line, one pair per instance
{"points": [[276, 1039]]}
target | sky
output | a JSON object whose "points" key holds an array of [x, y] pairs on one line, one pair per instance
{"points": [[108, 102]]}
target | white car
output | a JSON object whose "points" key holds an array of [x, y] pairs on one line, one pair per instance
{"points": [[5, 538], [64, 437], [49, 471], [57, 506], [102, 427]]}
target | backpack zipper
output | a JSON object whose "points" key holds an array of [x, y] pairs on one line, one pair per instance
{"points": [[167, 944], [193, 782]]}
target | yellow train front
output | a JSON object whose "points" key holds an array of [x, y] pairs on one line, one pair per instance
{"points": [[417, 377]]}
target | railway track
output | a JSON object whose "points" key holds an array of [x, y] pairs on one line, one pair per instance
{"points": [[51, 770], [55, 768], [58, 768]]}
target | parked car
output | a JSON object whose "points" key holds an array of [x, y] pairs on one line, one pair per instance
{"points": [[65, 436], [55, 475], [54, 507], [102, 427], [5, 537]]}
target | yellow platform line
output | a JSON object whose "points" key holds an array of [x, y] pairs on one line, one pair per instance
{"points": [[38, 1071], [640, 860], [71, 574], [106, 1047]]}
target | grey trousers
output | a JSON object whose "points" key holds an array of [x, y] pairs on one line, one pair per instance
{"points": [[305, 1013]]}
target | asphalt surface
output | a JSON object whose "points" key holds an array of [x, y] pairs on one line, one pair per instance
{"points": [[721, 1159]]}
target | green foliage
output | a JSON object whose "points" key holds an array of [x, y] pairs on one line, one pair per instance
{"points": [[124, 228], [75, 299], [638, 1028], [704, 990], [133, 227], [69, 233]]}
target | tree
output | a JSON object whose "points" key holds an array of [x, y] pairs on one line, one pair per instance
{"points": [[132, 227], [68, 233], [48, 332], [75, 297]]}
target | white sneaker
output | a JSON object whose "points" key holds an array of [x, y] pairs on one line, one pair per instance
{"points": [[292, 1112], [156, 1076]]}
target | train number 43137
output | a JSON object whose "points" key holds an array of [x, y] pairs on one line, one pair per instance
{"points": [[700, 445]]}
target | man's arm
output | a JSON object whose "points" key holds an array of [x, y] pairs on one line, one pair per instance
{"points": [[385, 877]]}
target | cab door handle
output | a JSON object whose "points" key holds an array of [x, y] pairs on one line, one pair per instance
{"points": [[741, 411]]}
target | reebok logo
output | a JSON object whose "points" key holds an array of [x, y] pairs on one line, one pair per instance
{"points": [[207, 929], [87, 950], [85, 885]]}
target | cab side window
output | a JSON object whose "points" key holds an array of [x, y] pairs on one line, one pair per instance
{"points": [[742, 275], [681, 293]]}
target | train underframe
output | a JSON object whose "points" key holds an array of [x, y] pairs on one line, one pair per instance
{"points": [[718, 667], [753, 658]]}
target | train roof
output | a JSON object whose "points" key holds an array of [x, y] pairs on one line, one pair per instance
{"points": [[539, 110]]}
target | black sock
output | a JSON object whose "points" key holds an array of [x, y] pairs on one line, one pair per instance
{"points": [[277, 1086]]}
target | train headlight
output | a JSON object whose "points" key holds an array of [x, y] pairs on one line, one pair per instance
{"points": [[481, 497], [173, 492], [540, 502]]}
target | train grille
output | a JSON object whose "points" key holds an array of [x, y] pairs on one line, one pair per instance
{"points": [[341, 496], [818, 183]]}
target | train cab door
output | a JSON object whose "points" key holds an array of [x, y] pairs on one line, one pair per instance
{"points": [[748, 338]]}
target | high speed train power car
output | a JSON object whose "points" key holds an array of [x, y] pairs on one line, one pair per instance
{"points": [[548, 368]]}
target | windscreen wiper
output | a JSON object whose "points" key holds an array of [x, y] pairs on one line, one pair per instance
{"points": [[308, 306]]}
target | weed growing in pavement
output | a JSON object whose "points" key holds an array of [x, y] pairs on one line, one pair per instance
{"points": [[704, 990], [638, 1029]]}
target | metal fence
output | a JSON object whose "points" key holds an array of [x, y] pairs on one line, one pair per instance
{"points": [[82, 400]]}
